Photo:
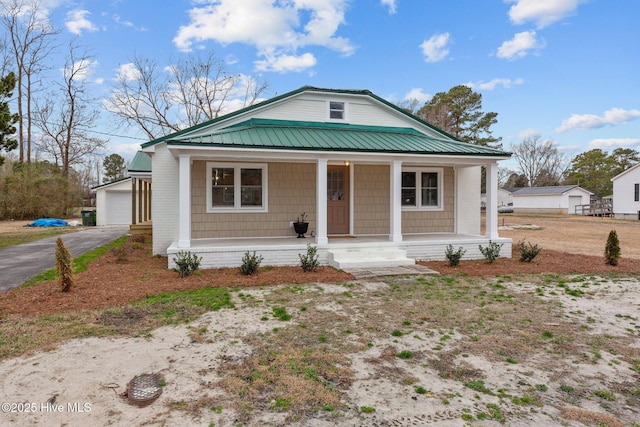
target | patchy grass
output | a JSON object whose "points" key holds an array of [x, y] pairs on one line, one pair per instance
{"points": [[81, 263], [35, 233]]}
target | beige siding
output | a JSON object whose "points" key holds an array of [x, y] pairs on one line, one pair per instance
{"points": [[165, 199], [292, 190], [433, 221], [371, 199]]}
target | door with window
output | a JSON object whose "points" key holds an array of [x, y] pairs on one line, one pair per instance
{"points": [[337, 200]]}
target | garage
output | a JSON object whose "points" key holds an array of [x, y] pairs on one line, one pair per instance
{"points": [[113, 203]]}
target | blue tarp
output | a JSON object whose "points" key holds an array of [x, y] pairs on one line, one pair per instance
{"points": [[48, 222]]}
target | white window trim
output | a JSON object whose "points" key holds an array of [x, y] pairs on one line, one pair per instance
{"points": [[237, 193], [345, 114], [419, 207]]}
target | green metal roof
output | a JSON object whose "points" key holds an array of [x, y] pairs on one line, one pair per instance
{"points": [[275, 99], [317, 136], [141, 162]]}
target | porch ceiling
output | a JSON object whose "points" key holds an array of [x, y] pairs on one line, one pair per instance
{"points": [[312, 136]]}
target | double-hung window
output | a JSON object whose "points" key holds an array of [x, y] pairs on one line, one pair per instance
{"points": [[337, 110], [422, 189], [236, 187]]}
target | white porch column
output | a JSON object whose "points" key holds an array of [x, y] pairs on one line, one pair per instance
{"points": [[395, 233], [184, 200], [491, 211], [321, 202]]}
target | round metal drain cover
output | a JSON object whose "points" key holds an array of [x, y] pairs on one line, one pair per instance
{"points": [[143, 389]]}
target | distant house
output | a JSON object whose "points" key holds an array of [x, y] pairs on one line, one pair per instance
{"points": [[115, 200], [626, 194], [377, 185], [505, 197], [560, 199]]}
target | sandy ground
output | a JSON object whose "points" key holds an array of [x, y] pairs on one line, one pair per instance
{"points": [[86, 376]]}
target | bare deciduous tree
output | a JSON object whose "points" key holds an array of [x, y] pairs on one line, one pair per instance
{"points": [[66, 117], [30, 40], [191, 91], [539, 161]]}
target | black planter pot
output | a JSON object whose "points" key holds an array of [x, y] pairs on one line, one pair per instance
{"points": [[301, 228]]}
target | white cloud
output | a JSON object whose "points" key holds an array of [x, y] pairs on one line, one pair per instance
{"points": [[608, 143], [276, 29], [528, 133], [519, 46], [435, 49], [615, 116], [127, 72], [542, 12], [491, 85], [77, 21], [284, 63], [391, 4], [81, 69], [417, 94]]}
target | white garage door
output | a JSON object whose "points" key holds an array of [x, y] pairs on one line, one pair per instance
{"points": [[118, 207], [573, 202]]}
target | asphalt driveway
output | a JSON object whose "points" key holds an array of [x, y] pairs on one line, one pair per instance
{"points": [[20, 263]]}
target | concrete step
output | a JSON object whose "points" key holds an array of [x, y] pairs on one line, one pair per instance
{"points": [[368, 257]]}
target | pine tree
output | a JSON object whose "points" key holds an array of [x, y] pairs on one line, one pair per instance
{"points": [[64, 266], [612, 250]]}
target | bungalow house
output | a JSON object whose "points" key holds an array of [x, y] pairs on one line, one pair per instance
{"points": [[377, 185], [559, 199], [626, 194]]}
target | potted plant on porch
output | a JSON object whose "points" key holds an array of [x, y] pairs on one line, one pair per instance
{"points": [[301, 226]]}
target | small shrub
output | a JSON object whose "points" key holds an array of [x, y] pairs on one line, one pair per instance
{"points": [[186, 263], [309, 261], [528, 251], [491, 252], [64, 266], [612, 250], [250, 263], [454, 256]]}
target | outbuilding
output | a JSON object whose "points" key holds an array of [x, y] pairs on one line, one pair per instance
{"points": [[559, 199]]}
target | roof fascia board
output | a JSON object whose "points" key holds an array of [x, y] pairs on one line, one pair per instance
{"points": [[626, 172], [309, 155]]}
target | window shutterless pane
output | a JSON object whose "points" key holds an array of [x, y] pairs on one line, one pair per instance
{"points": [[429, 197], [408, 197], [336, 110], [222, 176], [222, 190], [408, 179], [429, 180], [251, 187]]}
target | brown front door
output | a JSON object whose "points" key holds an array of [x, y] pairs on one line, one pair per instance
{"points": [[337, 199]]}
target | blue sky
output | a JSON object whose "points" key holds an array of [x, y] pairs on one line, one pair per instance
{"points": [[568, 70]]}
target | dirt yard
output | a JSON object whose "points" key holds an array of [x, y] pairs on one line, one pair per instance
{"points": [[553, 342]]}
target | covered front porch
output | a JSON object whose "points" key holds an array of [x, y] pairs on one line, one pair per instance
{"points": [[364, 251]]}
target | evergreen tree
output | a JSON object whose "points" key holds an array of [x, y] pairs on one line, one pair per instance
{"points": [[458, 112], [7, 120], [114, 167]]}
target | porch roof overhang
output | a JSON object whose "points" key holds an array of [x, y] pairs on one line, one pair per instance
{"points": [[297, 136]]}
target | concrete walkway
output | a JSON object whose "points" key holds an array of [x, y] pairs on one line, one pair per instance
{"points": [[20, 263], [365, 273]]}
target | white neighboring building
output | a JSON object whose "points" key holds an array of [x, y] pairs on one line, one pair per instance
{"points": [[626, 194], [113, 203], [560, 199]]}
